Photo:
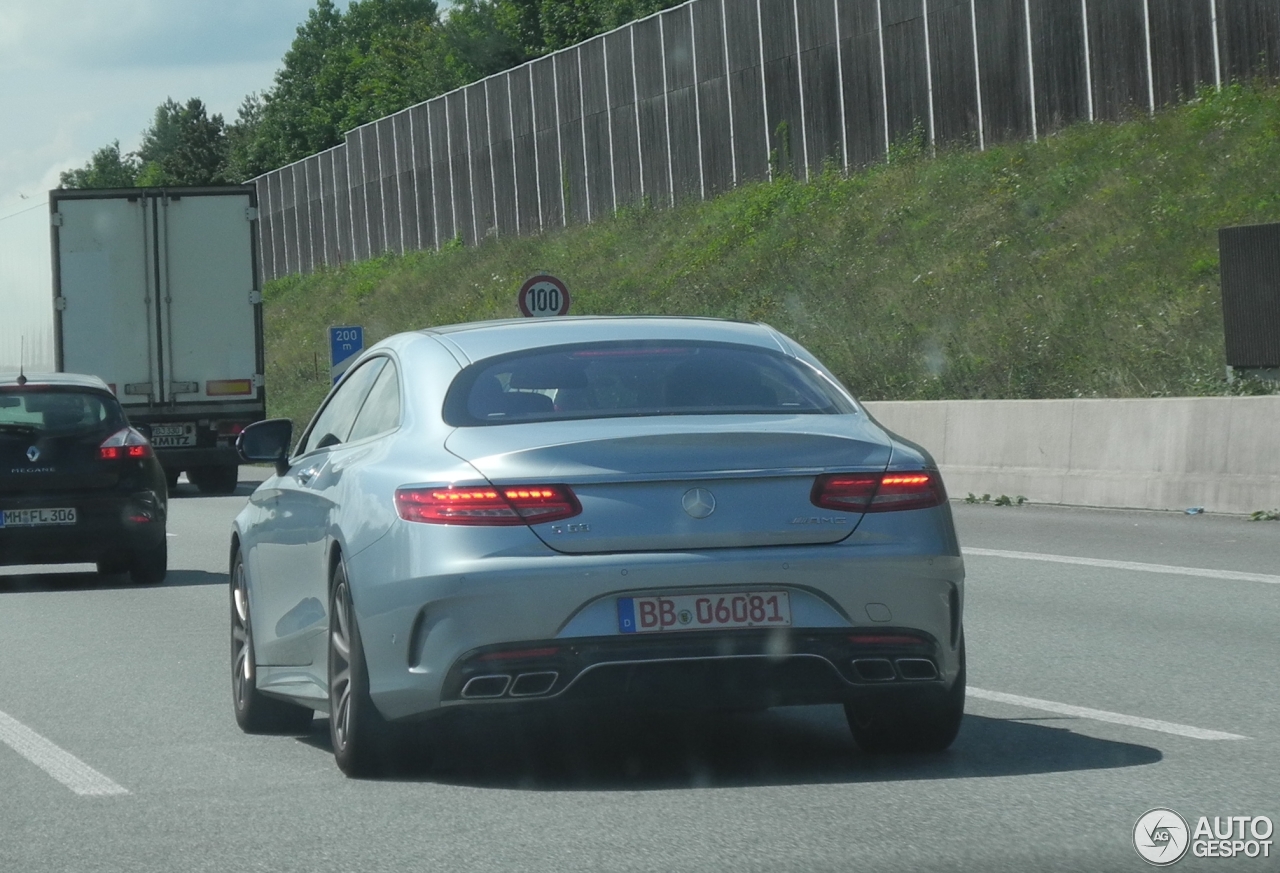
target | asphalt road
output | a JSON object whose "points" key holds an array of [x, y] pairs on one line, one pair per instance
{"points": [[1144, 677]]}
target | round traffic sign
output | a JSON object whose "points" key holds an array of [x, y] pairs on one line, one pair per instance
{"points": [[543, 295]]}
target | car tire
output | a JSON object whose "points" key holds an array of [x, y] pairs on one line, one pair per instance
{"points": [[364, 744], [915, 724], [255, 712], [171, 477], [113, 564], [218, 479], [151, 565]]}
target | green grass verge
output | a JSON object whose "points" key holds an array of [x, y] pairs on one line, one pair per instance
{"points": [[1083, 265]]}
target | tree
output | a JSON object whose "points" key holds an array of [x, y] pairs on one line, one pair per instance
{"points": [[108, 168], [345, 69], [247, 149], [567, 22], [184, 146]]}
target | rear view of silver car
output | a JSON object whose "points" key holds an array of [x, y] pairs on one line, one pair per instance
{"points": [[605, 512]]}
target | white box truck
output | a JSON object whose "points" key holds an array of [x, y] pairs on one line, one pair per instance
{"points": [[156, 291]]}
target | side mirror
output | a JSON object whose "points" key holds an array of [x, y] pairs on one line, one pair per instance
{"points": [[267, 441]]}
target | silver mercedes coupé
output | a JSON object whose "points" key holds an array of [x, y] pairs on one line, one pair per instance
{"points": [[603, 511]]}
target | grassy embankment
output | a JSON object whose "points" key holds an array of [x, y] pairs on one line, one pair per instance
{"points": [[1084, 265]]}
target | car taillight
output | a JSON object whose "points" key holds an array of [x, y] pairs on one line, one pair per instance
{"points": [[878, 492], [124, 443], [510, 504]]}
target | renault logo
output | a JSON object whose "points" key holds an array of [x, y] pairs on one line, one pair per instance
{"points": [[698, 502], [33, 454]]}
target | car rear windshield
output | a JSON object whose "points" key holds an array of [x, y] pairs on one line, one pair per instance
{"points": [[57, 411], [620, 379]]}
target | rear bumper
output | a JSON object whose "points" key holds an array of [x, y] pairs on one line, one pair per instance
{"points": [[106, 527], [423, 633], [730, 669]]}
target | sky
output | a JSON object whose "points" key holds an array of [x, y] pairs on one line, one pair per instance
{"points": [[77, 74]]}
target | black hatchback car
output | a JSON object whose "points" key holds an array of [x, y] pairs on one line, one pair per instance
{"points": [[77, 483]]}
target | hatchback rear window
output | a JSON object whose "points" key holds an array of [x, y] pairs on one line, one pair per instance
{"points": [[57, 412], [619, 379]]}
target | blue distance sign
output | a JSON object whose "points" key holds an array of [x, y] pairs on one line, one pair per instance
{"points": [[344, 344]]}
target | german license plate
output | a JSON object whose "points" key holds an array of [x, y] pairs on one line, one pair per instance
{"points": [[165, 436], [686, 612], [37, 517]]}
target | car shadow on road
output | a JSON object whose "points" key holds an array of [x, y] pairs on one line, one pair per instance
{"points": [[787, 746], [88, 580]]}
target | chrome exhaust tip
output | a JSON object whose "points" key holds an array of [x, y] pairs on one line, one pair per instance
{"points": [[874, 669], [533, 684], [915, 669], [480, 687]]}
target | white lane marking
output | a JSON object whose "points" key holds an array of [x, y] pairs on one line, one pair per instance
{"points": [[58, 763], [1150, 724], [1168, 569]]}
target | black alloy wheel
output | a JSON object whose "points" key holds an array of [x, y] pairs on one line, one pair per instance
{"points": [[927, 723], [364, 744], [255, 712]]}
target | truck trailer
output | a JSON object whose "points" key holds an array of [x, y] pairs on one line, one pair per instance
{"points": [[156, 291]]}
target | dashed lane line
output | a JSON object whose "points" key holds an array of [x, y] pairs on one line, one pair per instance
{"points": [[58, 763], [1150, 724], [1168, 569]]}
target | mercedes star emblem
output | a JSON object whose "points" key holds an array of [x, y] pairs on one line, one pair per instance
{"points": [[698, 502]]}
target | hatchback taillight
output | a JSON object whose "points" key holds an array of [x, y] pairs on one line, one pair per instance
{"points": [[511, 504], [878, 492], [124, 443]]}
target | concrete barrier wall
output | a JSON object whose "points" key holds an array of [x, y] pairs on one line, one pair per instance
{"points": [[1221, 453]]}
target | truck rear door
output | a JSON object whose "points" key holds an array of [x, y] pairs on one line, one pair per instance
{"points": [[208, 312], [105, 319]]}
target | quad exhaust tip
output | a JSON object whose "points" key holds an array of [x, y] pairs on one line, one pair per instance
{"points": [[882, 669], [486, 686], [533, 684], [874, 669], [501, 685], [917, 668]]}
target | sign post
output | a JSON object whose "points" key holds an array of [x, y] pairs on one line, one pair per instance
{"points": [[543, 295], [344, 344]]}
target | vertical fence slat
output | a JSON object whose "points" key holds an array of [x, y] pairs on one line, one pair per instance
{"points": [[784, 121], [480, 163], [682, 107], [406, 197], [1061, 76], [818, 39], [547, 135], [750, 137], [715, 111], [594, 99], [648, 69]]}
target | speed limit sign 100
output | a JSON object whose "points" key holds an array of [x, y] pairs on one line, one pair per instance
{"points": [[543, 295]]}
